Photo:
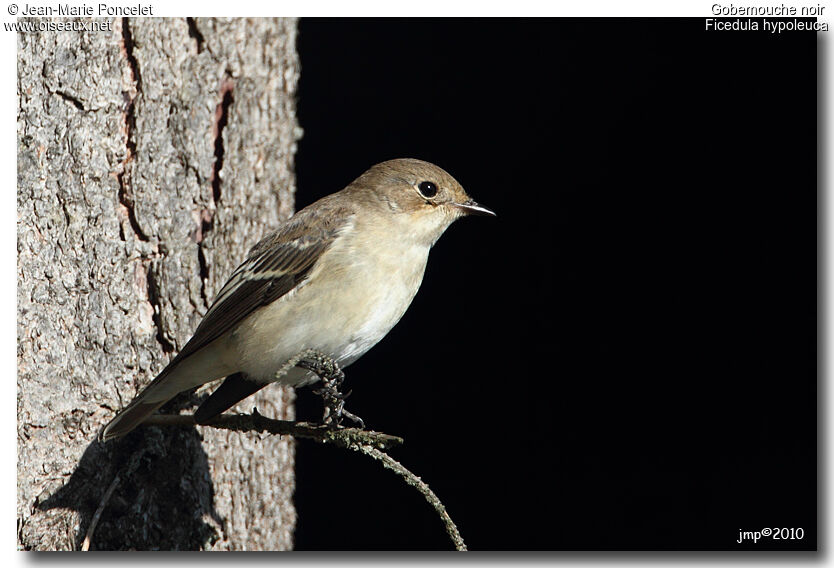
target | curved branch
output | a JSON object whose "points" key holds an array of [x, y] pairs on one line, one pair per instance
{"points": [[366, 442], [256, 422], [419, 485], [88, 539]]}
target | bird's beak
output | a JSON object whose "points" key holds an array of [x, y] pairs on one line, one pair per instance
{"points": [[469, 207]]}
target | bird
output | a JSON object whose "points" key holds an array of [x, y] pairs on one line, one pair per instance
{"points": [[335, 278]]}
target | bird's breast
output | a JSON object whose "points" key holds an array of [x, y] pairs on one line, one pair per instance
{"points": [[352, 298], [382, 284]]}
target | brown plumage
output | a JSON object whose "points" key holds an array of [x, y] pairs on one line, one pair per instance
{"points": [[335, 277]]}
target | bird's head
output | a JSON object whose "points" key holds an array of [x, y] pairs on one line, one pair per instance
{"points": [[421, 194]]}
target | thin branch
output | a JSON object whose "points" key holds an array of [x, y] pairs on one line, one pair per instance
{"points": [[342, 437], [366, 442], [89, 537], [417, 483]]}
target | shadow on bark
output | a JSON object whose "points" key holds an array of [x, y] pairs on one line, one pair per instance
{"points": [[163, 499]]}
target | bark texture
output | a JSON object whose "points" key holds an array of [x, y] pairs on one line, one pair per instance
{"points": [[150, 158]]}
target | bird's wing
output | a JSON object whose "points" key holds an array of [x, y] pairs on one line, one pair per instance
{"points": [[276, 265]]}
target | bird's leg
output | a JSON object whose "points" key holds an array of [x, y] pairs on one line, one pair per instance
{"points": [[332, 377]]}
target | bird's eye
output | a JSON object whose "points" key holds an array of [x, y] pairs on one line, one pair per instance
{"points": [[427, 189]]}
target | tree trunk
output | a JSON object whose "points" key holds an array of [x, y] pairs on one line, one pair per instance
{"points": [[151, 156]]}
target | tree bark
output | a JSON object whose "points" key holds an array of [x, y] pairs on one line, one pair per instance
{"points": [[151, 156]]}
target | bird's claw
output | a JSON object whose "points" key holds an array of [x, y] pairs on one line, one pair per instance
{"points": [[332, 377]]}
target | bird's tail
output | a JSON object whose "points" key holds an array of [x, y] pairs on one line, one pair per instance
{"points": [[199, 368], [158, 392], [128, 419]]}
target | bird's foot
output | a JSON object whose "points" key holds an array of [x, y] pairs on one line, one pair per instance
{"points": [[352, 416], [332, 377]]}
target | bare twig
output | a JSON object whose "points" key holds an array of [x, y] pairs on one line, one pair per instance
{"points": [[342, 437], [417, 483], [85, 546], [366, 442]]}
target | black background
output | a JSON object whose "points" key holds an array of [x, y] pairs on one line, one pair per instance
{"points": [[625, 358]]}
